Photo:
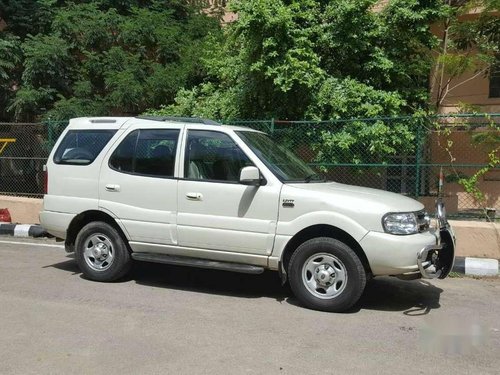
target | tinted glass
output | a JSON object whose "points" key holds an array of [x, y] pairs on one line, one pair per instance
{"points": [[213, 156], [123, 158], [148, 152], [81, 147]]}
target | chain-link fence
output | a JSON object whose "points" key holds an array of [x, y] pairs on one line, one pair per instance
{"points": [[24, 148], [405, 154]]}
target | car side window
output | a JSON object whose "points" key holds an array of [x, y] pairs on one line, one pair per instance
{"points": [[81, 147], [148, 152], [212, 155]]}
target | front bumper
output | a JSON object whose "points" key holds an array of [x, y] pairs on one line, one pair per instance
{"points": [[429, 254]]}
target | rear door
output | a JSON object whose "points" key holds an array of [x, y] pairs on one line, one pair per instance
{"points": [[137, 183]]}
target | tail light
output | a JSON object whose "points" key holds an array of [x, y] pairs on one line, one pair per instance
{"points": [[5, 215], [45, 180]]}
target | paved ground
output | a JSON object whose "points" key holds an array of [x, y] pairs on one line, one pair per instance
{"points": [[169, 320]]}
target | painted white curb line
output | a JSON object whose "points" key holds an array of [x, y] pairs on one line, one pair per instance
{"points": [[22, 230], [481, 267]]}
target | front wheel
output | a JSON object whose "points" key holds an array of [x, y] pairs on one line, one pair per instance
{"points": [[326, 274], [101, 252]]}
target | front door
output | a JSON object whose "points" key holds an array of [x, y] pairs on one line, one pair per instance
{"points": [[138, 187], [215, 211]]}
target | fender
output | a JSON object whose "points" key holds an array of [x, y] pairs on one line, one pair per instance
{"points": [[286, 230], [117, 220]]}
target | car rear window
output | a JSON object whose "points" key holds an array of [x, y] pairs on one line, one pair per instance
{"points": [[81, 147]]}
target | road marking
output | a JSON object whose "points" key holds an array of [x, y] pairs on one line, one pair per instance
{"points": [[32, 244]]}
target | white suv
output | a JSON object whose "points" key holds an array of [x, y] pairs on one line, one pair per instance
{"points": [[192, 192]]}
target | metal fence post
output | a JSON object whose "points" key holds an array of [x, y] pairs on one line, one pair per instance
{"points": [[418, 158], [272, 125], [50, 134]]}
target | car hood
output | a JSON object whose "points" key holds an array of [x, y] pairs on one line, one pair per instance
{"points": [[359, 198]]}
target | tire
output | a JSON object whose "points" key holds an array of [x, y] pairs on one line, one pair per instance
{"points": [[326, 274], [101, 252]]}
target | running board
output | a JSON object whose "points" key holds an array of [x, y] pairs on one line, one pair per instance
{"points": [[196, 262]]}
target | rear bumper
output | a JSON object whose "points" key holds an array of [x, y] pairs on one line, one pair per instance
{"points": [[56, 223]]}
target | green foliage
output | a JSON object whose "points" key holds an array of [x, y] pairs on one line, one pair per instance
{"points": [[202, 101], [471, 184], [47, 61], [359, 141], [104, 56], [10, 58], [347, 98], [29, 100], [321, 60], [25, 17]]}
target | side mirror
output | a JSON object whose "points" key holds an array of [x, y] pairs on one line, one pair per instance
{"points": [[250, 176]]}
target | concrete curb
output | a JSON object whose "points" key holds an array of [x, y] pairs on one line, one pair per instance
{"points": [[476, 266], [22, 230]]}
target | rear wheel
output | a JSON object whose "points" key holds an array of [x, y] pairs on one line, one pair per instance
{"points": [[101, 252], [326, 274]]}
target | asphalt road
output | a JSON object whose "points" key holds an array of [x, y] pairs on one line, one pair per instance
{"points": [[174, 320]]}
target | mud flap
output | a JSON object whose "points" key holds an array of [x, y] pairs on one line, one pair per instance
{"points": [[446, 256], [436, 261]]}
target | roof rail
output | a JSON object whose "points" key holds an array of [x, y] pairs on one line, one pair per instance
{"points": [[194, 120]]}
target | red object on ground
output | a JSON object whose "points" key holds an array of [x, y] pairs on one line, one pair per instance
{"points": [[5, 215]]}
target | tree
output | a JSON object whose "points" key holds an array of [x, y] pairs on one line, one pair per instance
{"points": [[321, 60], [106, 57], [10, 58], [467, 45], [279, 55]]}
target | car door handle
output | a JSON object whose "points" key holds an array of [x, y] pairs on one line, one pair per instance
{"points": [[112, 187], [194, 196]]}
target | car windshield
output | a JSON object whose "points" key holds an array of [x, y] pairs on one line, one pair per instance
{"points": [[282, 162]]}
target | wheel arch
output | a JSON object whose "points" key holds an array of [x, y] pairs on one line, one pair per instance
{"points": [[321, 230], [82, 219]]}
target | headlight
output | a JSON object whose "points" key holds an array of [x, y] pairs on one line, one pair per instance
{"points": [[405, 222]]}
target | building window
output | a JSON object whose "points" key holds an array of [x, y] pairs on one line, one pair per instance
{"points": [[495, 80]]}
